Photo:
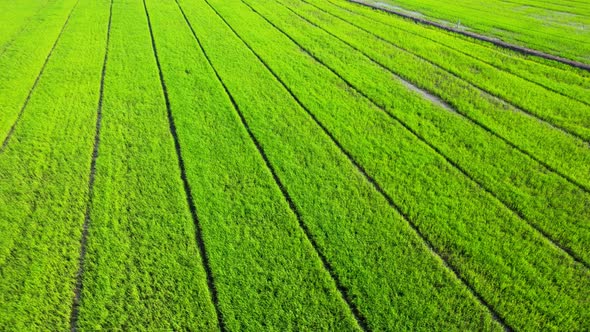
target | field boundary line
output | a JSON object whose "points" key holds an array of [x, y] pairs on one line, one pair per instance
{"points": [[76, 301], [514, 47], [360, 319], [34, 86], [376, 186], [475, 58], [550, 240], [485, 127], [187, 189], [475, 86]]}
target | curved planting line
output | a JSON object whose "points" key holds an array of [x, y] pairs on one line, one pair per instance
{"points": [[521, 49], [372, 181], [355, 312], [481, 90], [187, 188], [20, 113], [458, 50], [485, 127], [439, 152], [84, 239]]}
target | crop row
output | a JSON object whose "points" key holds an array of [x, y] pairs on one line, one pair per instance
{"points": [[346, 218], [142, 268], [541, 141], [242, 165], [265, 271], [21, 64], [551, 75], [520, 182], [571, 115], [44, 178], [438, 199], [15, 17]]}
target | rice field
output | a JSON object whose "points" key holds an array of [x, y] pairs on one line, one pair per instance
{"points": [[285, 165]]}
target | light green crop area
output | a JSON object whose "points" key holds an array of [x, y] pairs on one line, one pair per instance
{"points": [[290, 165]]}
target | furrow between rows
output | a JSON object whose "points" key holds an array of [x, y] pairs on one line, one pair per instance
{"points": [[84, 239], [359, 129], [359, 318], [186, 185], [539, 139], [36, 82], [486, 92], [533, 75], [344, 228], [370, 179]]}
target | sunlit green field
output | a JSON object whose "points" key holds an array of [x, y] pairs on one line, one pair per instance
{"points": [[284, 165]]}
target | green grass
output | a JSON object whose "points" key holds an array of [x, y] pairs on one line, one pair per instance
{"points": [[142, 268], [44, 180], [520, 182], [541, 140], [15, 17], [252, 237], [552, 26], [559, 110], [285, 165], [443, 195], [22, 61], [552, 75], [323, 187], [534, 191]]}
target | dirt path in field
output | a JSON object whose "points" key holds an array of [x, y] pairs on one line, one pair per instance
{"points": [[517, 48]]}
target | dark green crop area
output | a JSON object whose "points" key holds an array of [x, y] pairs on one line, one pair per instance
{"points": [[289, 165]]}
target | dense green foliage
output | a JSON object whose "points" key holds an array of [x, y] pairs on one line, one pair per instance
{"points": [[252, 237], [572, 83], [22, 60], [251, 165], [536, 100], [347, 218], [540, 139], [453, 202], [16, 16], [519, 181], [44, 180], [142, 268]]}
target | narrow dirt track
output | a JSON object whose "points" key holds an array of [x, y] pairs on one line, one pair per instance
{"points": [[513, 47]]}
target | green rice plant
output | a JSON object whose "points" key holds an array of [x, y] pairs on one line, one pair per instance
{"points": [[559, 151], [553, 27], [266, 273], [44, 180], [566, 80], [546, 200], [142, 268], [566, 113], [15, 17], [366, 243], [21, 63], [486, 246]]}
